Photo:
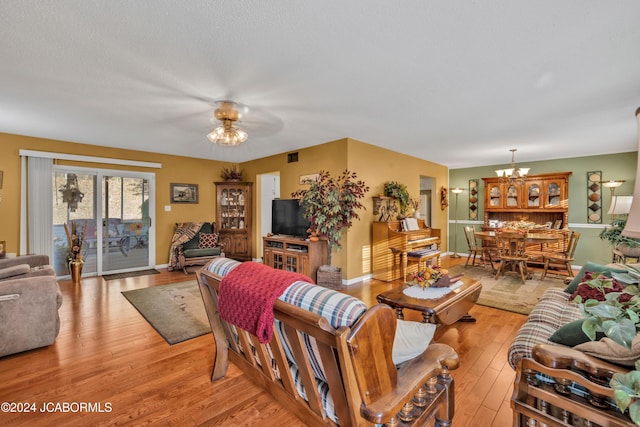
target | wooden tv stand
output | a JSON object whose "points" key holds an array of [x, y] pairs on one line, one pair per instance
{"points": [[295, 254]]}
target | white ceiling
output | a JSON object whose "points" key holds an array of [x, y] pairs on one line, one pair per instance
{"points": [[457, 83]]}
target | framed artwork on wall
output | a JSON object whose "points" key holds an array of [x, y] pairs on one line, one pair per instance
{"points": [[184, 193], [594, 197], [3, 249], [473, 199]]}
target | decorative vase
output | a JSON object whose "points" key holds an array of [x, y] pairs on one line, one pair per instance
{"points": [[416, 214], [75, 268]]}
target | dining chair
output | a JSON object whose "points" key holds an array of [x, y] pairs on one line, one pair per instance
{"points": [[512, 250], [469, 233], [474, 249], [562, 258]]}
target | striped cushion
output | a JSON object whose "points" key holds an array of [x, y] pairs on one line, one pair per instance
{"points": [[338, 308], [222, 266], [323, 390]]}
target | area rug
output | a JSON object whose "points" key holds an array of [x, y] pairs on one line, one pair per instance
{"points": [[508, 292], [130, 274], [176, 310]]}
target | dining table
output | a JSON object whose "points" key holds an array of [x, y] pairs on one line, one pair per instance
{"points": [[532, 237]]}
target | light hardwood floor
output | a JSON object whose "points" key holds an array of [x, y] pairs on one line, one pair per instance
{"points": [[108, 355]]}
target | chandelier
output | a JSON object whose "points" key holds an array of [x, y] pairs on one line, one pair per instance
{"points": [[512, 175], [227, 134]]}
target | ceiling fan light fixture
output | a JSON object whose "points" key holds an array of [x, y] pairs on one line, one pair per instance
{"points": [[227, 134]]}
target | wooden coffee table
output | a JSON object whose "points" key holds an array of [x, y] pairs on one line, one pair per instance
{"points": [[446, 310]]}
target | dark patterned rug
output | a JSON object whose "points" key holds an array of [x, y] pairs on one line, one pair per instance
{"points": [[508, 292], [175, 311], [130, 274]]}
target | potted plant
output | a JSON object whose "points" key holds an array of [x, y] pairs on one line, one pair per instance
{"points": [[231, 174], [616, 314], [330, 204], [613, 235], [399, 192]]}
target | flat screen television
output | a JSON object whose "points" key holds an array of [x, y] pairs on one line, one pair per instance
{"points": [[287, 219]]}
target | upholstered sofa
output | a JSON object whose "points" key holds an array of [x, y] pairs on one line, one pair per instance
{"points": [[329, 359], [561, 376], [29, 303], [193, 243]]}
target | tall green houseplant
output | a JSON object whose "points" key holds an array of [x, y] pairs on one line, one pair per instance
{"points": [[330, 204]]}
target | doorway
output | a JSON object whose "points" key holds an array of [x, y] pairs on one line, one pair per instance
{"points": [[426, 185], [111, 210], [269, 190]]}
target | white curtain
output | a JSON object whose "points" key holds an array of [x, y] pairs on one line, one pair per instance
{"points": [[39, 206]]}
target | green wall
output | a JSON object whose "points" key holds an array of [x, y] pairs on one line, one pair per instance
{"points": [[620, 166]]}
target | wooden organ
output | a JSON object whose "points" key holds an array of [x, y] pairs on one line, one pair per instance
{"points": [[392, 246]]}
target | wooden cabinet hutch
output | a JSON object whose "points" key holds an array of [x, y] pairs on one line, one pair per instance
{"points": [[233, 213], [540, 198], [295, 254]]}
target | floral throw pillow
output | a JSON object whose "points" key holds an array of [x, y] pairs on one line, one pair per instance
{"points": [[208, 240]]}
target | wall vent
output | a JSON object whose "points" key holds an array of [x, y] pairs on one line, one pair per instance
{"points": [[292, 157]]}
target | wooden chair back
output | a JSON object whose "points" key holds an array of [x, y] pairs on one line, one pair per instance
{"points": [[573, 244], [512, 245], [367, 338], [469, 233]]}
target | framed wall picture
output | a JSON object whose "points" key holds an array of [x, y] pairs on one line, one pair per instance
{"points": [[3, 249], [184, 193], [473, 199], [594, 197], [308, 179]]}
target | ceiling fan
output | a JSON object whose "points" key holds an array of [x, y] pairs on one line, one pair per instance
{"points": [[227, 134]]}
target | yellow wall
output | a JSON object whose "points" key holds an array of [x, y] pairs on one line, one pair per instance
{"points": [[372, 164], [175, 169], [376, 166]]}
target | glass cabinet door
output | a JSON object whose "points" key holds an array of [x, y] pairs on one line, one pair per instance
{"points": [[553, 195], [494, 196], [512, 197], [533, 194], [232, 205]]}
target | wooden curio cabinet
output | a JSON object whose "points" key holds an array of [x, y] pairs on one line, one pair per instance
{"points": [[233, 218], [540, 198]]}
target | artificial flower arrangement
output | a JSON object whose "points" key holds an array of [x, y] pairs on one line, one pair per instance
{"points": [[432, 276], [75, 238], [415, 203]]}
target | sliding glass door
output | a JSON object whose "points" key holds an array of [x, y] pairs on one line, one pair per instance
{"points": [[111, 209]]}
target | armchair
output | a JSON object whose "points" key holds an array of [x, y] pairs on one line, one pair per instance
{"points": [[29, 303], [193, 243]]}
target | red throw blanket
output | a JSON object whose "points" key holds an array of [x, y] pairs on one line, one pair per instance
{"points": [[247, 294]]}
